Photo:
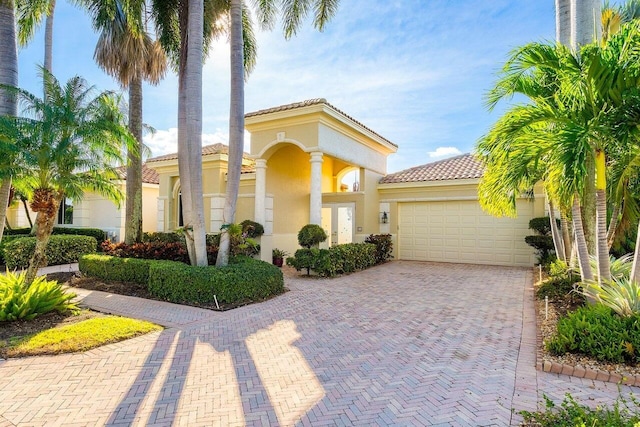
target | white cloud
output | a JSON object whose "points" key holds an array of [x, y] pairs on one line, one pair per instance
{"points": [[166, 141], [443, 152]]}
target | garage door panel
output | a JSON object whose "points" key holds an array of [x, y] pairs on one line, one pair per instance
{"points": [[459, 231]]}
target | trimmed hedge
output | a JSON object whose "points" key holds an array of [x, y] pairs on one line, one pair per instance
{"points": [[252, 229], [114, 268], [336, 260], [62, 249], [5, 241], [16, 231], [244, 279], [96, 233]]}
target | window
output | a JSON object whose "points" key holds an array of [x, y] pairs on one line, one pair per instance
{"points": [[65, 212], [180, 218]]}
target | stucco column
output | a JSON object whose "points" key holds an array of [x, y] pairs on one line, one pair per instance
{"points": [[260, 191], [315, 205]]}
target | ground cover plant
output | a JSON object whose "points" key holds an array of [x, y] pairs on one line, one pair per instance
{"points": [[570, 413]]}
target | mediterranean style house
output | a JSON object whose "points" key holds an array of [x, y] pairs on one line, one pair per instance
{"points": [[295, 174]]}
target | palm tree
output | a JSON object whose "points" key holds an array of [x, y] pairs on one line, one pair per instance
{"points": [[9, 77], [30, 14], [293, 13], [72, 142], [126, 52], [582, 105]]}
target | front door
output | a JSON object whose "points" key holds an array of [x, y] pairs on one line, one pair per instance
{"points": [[338, 222]]}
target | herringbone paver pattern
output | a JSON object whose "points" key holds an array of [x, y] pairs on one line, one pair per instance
{"points": [[400, 344]]}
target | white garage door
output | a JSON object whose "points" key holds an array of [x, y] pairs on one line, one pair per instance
{"points": [[459, 231]]}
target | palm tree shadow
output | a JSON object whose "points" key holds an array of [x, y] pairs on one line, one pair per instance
{"points": [[158, 391]]}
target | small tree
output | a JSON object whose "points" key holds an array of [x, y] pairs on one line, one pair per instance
{"points": [[311, 235]]}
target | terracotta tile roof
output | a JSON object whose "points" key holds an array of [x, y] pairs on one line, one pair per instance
{"points": [[149, 176], [464, 166], [207, 150], [309, 102]]}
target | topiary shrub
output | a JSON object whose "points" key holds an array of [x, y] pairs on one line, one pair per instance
{"points": [[311, 235], [543, 241], [109, 267], [384, 246], [596, 331], [244, 279], [96, 233], [252, 229], [19, 301], [339, 259], [61, 249]]}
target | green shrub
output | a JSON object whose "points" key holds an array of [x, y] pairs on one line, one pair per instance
{"points": [[18, 301], [596, 331], [162, 237], [558, 288], [339, 259], [384, 246], [5, 241], [17, 231], [108, 267], [96, 233], [244, 279], [571, 414], [311, 235], [61, 249], [252, 229], [542, 225]]}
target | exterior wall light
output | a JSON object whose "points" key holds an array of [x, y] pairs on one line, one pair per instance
{"points": [[384, 217]]}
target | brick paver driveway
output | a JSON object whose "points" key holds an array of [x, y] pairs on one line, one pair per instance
{"points": [[400, 344]]}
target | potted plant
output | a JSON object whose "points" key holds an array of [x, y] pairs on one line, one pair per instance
{"points": [[278, 256]]}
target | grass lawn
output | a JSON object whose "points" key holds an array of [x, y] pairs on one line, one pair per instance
{"points": [[70, 334]]}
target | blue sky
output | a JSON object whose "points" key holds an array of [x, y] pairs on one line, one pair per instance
{"points": [[415, 71]]}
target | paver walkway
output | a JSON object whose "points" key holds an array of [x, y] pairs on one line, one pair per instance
{"points": [[405, 343]]}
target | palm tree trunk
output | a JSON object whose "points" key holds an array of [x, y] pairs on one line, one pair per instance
{"points": [[133, 212], [566, 236], [555, 233], [587, 22], [190, 130], [604, 267], [45, 220], [581, 243], [8, 76], [563, 22], [48, 38], [236, 128], [613, 224], [635, 268], [588, 204]]}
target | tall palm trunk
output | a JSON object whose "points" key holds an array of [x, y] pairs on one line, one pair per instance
{"points": [[8, 76], [604, 267], [190, 129], [48, 38], [563, 22], [133, 226], [589, 206], [236, 128], [45, 220], [555, 233], [581, 243], [566, 236], [587, 22], [613, 224], [635, 268]]}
